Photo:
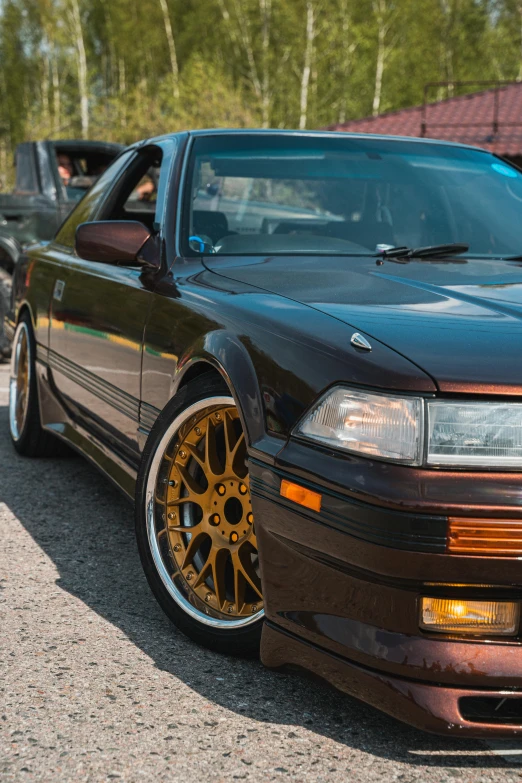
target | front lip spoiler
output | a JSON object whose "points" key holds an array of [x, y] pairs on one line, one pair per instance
{"points": [[432, 708]]}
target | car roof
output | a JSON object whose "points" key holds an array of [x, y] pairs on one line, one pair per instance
{"points": [[87, 144], [309, 133]]}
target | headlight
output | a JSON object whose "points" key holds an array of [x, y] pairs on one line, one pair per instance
{"points": [[391, 427], [482, 434], [378, 425]]}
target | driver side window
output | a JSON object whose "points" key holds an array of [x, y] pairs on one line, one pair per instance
{"points": [[134, 197]]}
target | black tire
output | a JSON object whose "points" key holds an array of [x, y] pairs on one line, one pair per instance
{"points": [[30, 439], [238, 641]]}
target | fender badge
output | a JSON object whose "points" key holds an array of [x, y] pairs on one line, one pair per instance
{"points": [[360, 342]]}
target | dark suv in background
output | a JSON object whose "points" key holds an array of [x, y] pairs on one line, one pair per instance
{"points": [[42, 198]]}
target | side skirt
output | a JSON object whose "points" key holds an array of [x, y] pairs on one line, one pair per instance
{"points": [[56, 419]]}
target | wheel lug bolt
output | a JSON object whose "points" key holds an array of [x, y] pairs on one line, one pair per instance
{"points": [[218, 416], [230, 608], [242, 489], [254, 608], [172, 515], [233, 537], [221, 489], [173, 483], [215, 519], [198, 430], [189, 576], [208, 597], [250, 518], [182, 454], [176, 547]]}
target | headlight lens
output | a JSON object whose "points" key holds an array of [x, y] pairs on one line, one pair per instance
{"points": [[377, 425], [391, 427], [475, 434]]}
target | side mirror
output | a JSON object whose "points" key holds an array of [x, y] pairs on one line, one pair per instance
{"points": [[83, 181], [115, 242]]}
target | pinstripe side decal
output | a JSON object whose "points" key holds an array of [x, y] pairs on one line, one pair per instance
{"points": [[110, 394], [148, 416]]}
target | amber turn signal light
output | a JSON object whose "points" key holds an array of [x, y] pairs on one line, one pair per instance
{"points": [[469, 617], [485, 536], [302, 495]]}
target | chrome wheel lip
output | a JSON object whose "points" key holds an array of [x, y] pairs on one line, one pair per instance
{"points": [[15, 430], [161, 569]]}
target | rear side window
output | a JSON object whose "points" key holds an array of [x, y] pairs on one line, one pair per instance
{"points": [[26, 176], [87, 207]]}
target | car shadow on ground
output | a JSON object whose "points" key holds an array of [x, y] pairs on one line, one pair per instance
{"points": [[86, 528]]}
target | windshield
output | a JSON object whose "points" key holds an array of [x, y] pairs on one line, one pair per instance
{"points": [[258, 194]]}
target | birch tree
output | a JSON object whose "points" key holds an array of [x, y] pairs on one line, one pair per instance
{"points": [[124, 69], [172, 47], [243, 22], [81, 61], [307, 65], [384, 12]]}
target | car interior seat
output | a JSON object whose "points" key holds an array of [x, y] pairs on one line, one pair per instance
{"points": [[210, 224]]}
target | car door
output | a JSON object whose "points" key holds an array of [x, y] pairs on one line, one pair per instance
{"points": [[98, 313]]}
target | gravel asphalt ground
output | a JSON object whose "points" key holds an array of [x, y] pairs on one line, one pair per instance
{"points": [[96, 685]]}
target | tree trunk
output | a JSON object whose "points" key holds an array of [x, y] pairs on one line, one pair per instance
{"points": [[46, 113], [231, 32], [82, 68], [379, 71], [172, 47], [246, 41], [307, 66], [519, 10], [57, 97], [265, 7], [447, 50], [384, 14]]}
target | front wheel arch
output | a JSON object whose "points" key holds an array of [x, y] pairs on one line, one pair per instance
{"points": [[223, 352]]}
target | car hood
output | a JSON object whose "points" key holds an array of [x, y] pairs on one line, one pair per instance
{"points": [[460, 321]]}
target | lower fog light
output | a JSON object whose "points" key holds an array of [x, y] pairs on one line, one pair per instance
{"points": [[469, 617]]}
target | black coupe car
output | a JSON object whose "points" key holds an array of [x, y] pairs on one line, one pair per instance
{"points": [[299, 355]]}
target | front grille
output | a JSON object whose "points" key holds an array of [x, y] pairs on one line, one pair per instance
{"points": [[491, 709]]}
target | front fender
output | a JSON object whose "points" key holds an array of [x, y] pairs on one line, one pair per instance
{"points": [[224, 352], [165, 371]]}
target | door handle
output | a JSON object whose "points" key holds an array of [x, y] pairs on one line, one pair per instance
{"points": [[58, 290]]}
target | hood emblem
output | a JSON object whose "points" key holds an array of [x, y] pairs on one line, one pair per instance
{"points": [[360, 342]]}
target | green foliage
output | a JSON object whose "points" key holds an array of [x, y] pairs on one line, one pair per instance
{"points": [[143, 67]]}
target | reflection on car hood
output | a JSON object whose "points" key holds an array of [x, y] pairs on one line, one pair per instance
{"points": [[460, 320]]}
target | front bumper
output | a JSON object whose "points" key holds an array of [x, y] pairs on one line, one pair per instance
{"points": [[342, 590], [428, 707]]}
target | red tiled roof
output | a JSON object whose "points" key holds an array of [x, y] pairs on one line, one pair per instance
{"points": [[465, 118]]}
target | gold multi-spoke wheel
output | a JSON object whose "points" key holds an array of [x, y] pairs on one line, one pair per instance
{"points": [[199, 519], [20, 380], [206, 506], [25, 426]]}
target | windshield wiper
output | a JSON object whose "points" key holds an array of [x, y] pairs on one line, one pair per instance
{"points": [[430, 251]]}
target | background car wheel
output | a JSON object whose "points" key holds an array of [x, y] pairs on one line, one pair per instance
{"points": [[27, 434], [5, 296], [194, 521]]}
